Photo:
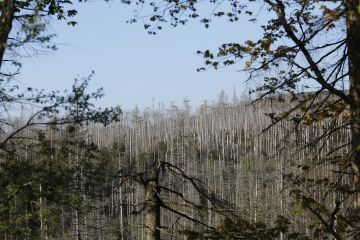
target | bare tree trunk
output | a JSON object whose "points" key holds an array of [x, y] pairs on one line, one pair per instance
{"points": [[152, 207], [353, 38]]}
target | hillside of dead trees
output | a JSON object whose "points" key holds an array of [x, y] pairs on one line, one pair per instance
{"points": [[183, 169]]}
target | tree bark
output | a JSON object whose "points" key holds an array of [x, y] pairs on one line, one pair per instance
{"points": [[353, 38], [152, 208], [6, 19]]}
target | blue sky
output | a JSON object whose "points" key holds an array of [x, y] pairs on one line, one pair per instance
{"points": [[133, 67]]}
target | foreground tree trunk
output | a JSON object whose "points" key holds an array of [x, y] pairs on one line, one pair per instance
{"points": [[6, 19], [353, 38], [152, 207]]}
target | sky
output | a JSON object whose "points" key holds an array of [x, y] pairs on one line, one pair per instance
{"points": [[133, 67]]}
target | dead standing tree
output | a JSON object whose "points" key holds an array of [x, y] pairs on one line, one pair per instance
{"points": [[159, 195]]}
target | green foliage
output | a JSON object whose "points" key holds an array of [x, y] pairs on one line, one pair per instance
{"points": [[32, 18], [243, 229], [56, 170], [24, 184]]}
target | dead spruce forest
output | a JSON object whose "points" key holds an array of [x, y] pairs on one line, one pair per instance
{"points": [[168, 172]]}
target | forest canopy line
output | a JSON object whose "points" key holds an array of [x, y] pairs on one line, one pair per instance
{"points": [[69, 171]]}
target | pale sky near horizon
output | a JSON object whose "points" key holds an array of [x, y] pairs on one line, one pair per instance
{"points": [[134, 68]]}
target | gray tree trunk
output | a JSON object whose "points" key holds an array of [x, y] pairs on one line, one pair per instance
{"points": [[152, 208]]}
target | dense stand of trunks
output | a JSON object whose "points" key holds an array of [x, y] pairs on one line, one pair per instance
{"points": [[242, 171]]}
